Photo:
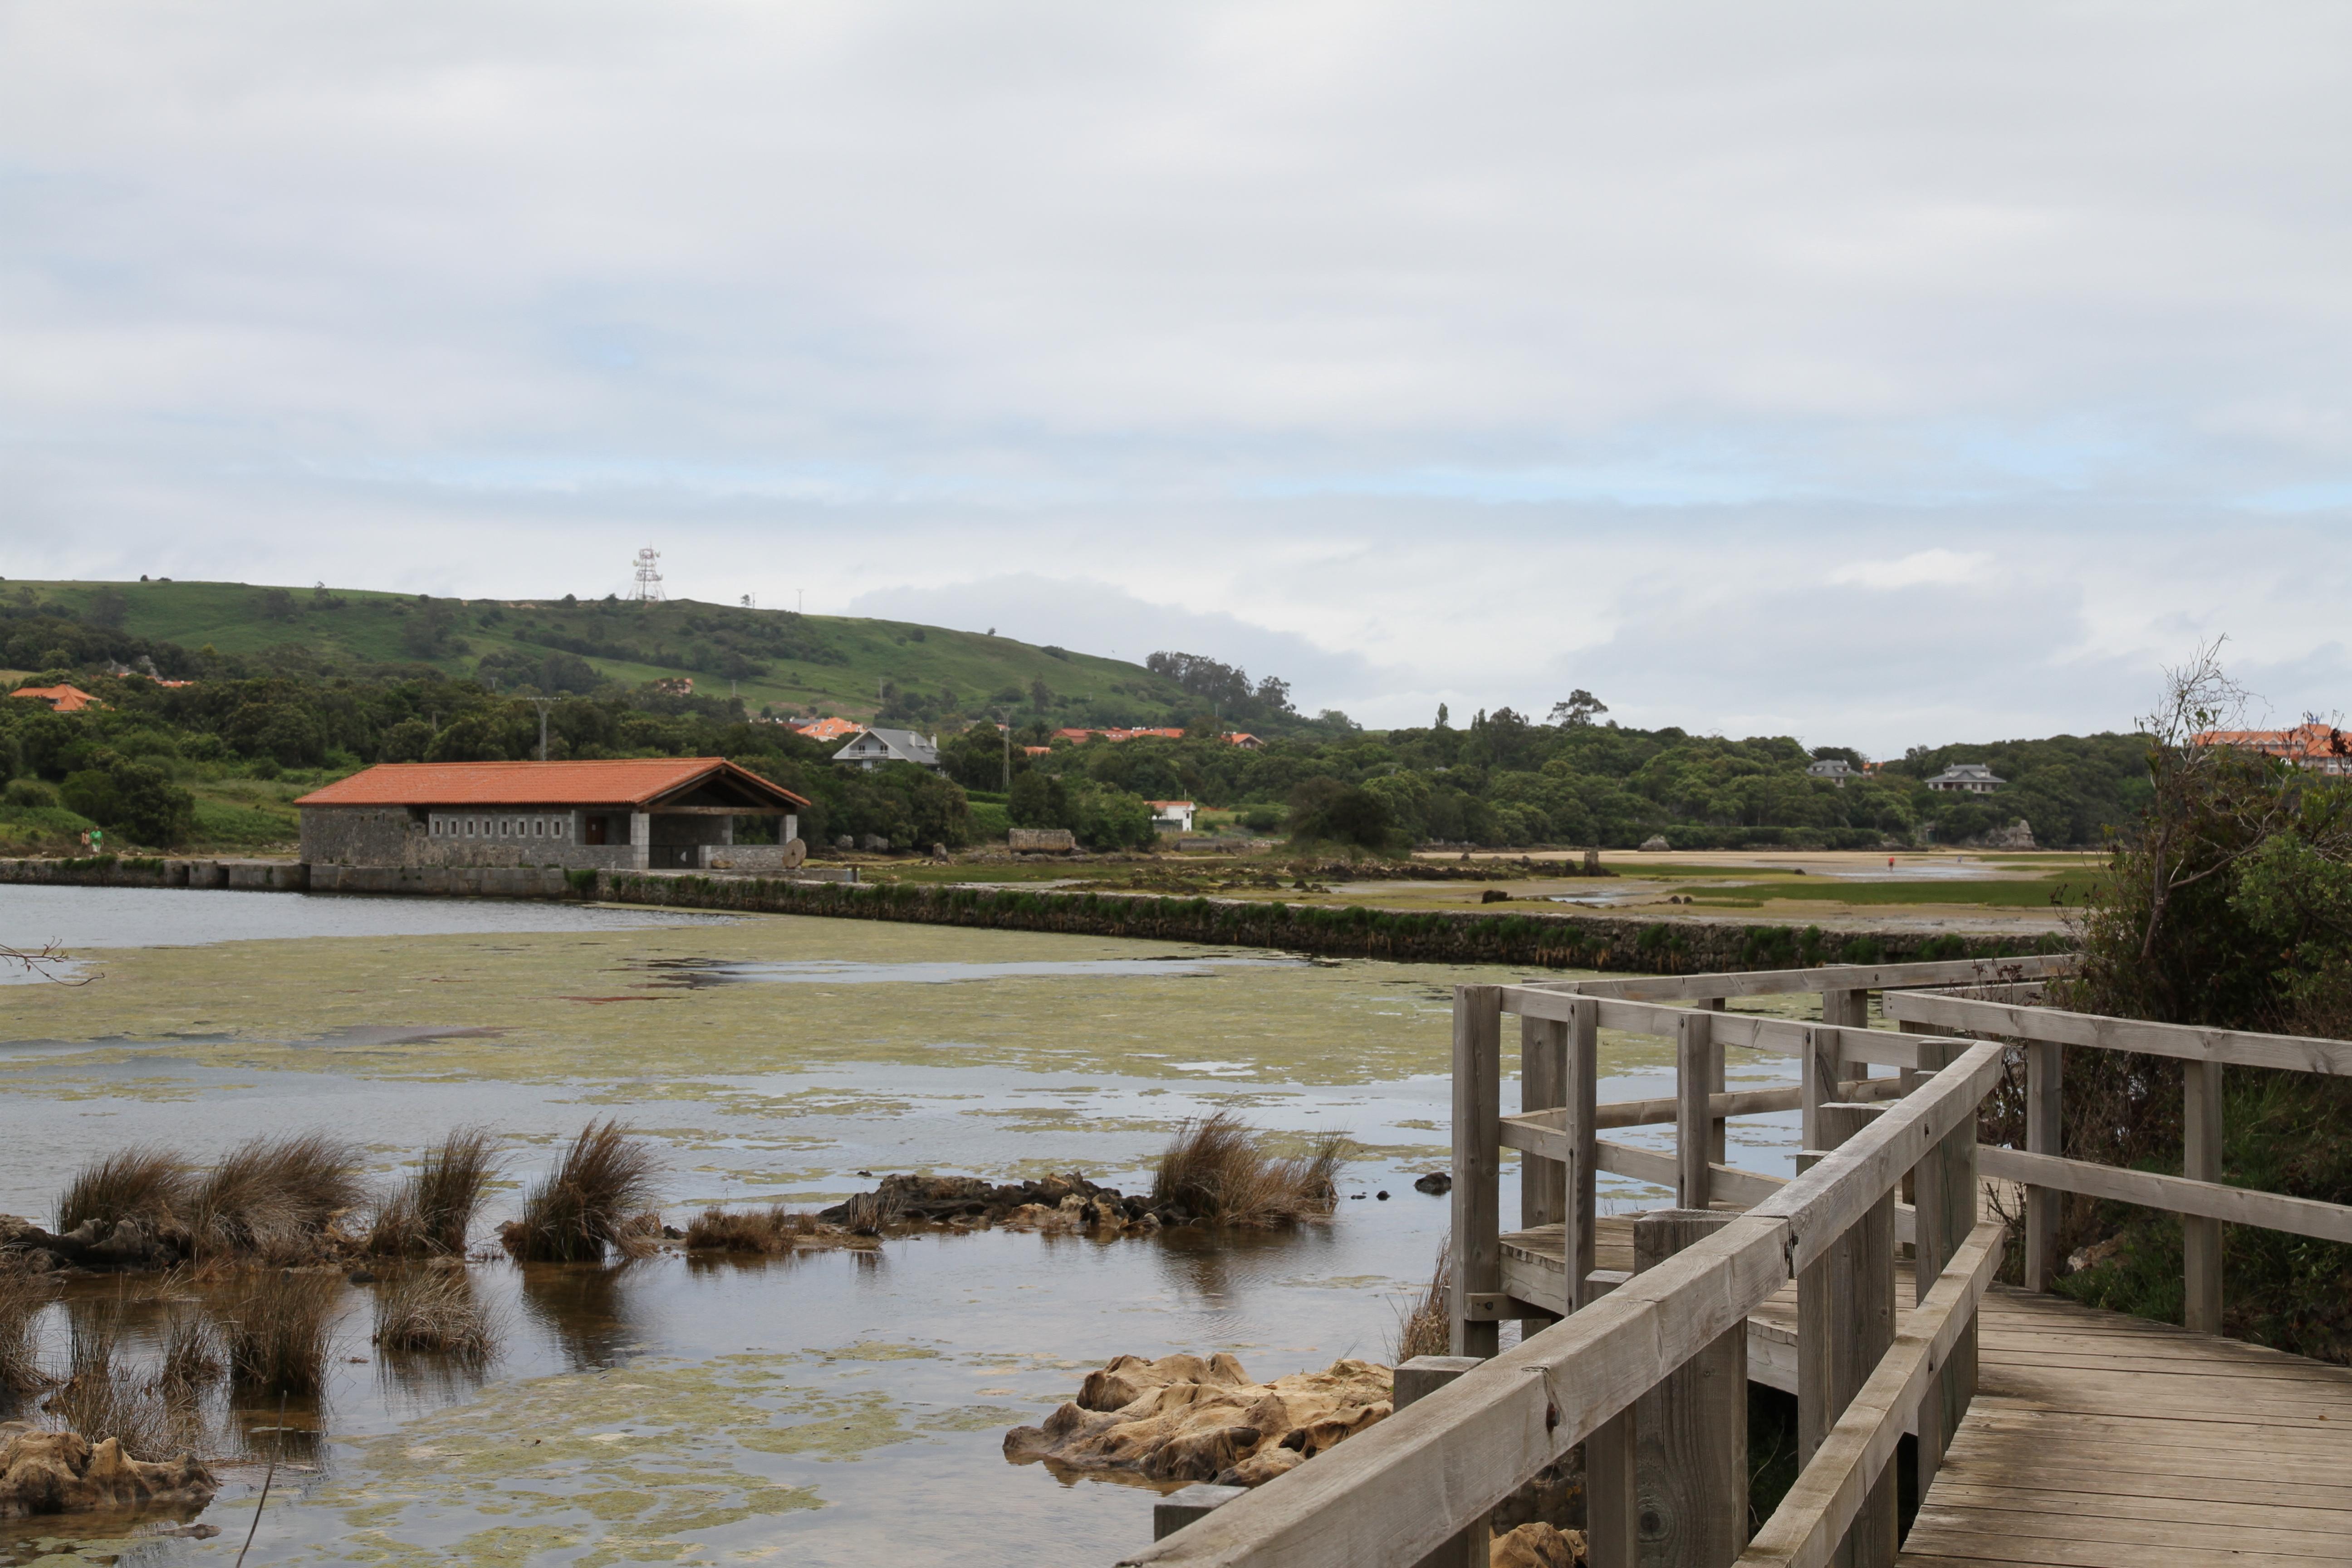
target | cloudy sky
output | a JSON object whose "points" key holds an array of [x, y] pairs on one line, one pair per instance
{"points": [[1879, 374]]}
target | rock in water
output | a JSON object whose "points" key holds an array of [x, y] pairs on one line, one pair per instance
{"points": [[1537, 1545], [62, 1472], [1181, 1418], [1435, 1182]]}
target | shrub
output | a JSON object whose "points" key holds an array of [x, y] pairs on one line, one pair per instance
{"points": [[592, 1201], [433, 1209], [1216, 1168]]}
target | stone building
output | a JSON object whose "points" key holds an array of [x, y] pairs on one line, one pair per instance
{"points": [[640, 814]]}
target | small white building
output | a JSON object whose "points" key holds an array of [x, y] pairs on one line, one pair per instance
{"points": [[1837, 770], [873, 747], [1172, 816], [1966, 778]]}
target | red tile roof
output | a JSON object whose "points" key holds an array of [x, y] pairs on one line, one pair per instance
{"points": [[63, 699], [628, 782], [829, 729]]}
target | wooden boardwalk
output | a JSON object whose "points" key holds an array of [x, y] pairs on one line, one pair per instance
{"points": [[2095, 1439]]}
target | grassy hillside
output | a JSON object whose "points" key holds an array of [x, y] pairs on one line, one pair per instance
{"points": [[800, 663]]}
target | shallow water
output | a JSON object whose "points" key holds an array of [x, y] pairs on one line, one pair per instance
{"points": [[836, 1408]]}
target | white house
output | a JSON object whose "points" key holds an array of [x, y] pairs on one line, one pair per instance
{"points": [[1837, 770], [1172, 816], [873, 747], [1968, 778]]}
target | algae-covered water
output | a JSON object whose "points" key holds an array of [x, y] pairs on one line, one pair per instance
{"points": [[833, 1408]]}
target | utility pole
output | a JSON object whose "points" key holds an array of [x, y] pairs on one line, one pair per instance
{"points": [[1005, 714]]}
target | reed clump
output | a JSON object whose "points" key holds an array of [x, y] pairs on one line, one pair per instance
{"points": [[194, 1359], [145, 1184], [433, 1209], [434, 1309], [1217, 1168], [99, 1396], [278, 1336], [768, 1232], [274, 1198], [597, 1199], [1426, 1328], [22, 1296]]}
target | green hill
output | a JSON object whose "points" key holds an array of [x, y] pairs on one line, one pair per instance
{"points": [[791, 662]]}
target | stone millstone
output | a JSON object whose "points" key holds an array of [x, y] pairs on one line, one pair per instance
{"points": [[63, 1472], [1181, 1418]]}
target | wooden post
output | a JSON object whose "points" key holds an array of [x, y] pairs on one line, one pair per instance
{"points": [[1612, 1501], [1478, 1161], [1416, 1378], [2200, 1239], [1943, 1185], [1579, 1227], [1719, 1128], [1543, 1086], [1820, 1067], [1691, 1429], [2045, 1074], [1846, 1322], [1848, 1009], [1179, 1508], [1693, 1145]]}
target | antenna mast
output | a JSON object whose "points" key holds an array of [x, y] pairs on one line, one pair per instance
{"points": [[648, 588]]}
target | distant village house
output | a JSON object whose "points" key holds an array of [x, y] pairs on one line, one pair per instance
{"points": [[1837, 770], [1172, 816], [640, 813], [2323, 748], [1966, 778], [873, 747], [60, 699], [828, 729]]}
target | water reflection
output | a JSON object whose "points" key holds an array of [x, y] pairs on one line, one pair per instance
{"points": [[584, 1309]]}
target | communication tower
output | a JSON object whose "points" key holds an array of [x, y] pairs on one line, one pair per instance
{"points": [[648, 589]]}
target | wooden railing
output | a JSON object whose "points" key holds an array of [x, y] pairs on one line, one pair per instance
{"points": [[2011, 1012], [1645, 1369]]}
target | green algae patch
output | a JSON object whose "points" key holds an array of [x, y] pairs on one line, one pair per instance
{"points": [[657, 1460]]}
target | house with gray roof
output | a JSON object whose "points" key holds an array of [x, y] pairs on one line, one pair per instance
{"points": [[1967, 778], [875, 747]]}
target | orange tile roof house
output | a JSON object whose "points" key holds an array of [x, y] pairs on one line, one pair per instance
{"points": [[829, 729], [60, 698], [2322, 748], [638, 814]]}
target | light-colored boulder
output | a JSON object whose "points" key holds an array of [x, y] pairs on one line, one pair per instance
{"points": [[1183, 1418], [63, 1472], [1537, 1545]]}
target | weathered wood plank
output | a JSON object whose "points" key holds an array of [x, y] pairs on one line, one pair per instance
{"points": [[1690, 1450], [1951, 1492], [2200, 1236], [1781, 1037], [1829, 977], [1478, 1163], [1580, 1234], [1977, 1518], [1951, 1545], [2044, 1075], [2151, 1189], [2237, 1048]]}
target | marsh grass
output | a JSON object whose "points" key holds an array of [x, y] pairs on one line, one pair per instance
{"points": [[433, 1209], [593, 1201], [277, 1334], [100, 1396], [768, 1232], [434, 1309], [23, 1297], [274, 1197], [866, 1214], [1217, 1168], [1426, 1328], [146, 1183], [194, 1359]]}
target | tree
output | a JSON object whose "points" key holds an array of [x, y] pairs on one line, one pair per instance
{"points": [[1580, 708], [1039, 800], [109, 608], [1326, 810]]}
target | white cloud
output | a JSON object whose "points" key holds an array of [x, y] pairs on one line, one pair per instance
{"points": [[1911, 571]]}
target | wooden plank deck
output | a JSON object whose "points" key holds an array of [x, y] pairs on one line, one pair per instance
{"points": [[2094, 1440]]}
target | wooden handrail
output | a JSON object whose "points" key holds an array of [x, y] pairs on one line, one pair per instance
{"points": [[1782, 1037], [1828, 977], [2177, 1195], [1393, 1493], [2235, 1047], [1828, 1496], [1740, 1102]]}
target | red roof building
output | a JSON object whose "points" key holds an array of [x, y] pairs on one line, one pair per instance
{"points": [[637, 813], [2323, 748], [60, 698], [829, 729]]}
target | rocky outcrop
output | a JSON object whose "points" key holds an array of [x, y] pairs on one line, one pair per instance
{"points": [[1069, 1202], [64, 1472], [1537, 1545], [1181, 1418], [2018, 834], [94, 1244]]}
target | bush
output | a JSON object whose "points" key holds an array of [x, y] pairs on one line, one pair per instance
{"points": [[1327, 811], [30, 795]]}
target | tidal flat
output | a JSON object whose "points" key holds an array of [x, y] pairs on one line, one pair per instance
{"points": [[834, 1408]]}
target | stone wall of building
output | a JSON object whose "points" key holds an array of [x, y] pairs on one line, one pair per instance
{"points": [[398, 836]]}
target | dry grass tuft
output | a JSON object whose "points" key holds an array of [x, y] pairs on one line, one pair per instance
{"points": [[433, 1209], [593, 1201], [145, 1184], [273, 1198], [278, 1335], [100, 1398], [433, 1310], [194, 1359], [23, 1295], [776, 1230], [866, 1214], [1216, 1169], [1428, 1328]]}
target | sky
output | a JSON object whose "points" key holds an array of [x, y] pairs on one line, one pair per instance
{"points": [[1881, 375]]}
